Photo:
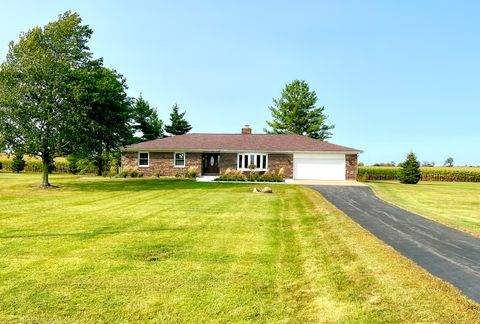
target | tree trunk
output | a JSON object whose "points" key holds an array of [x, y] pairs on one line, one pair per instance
{"points": [[45, 182], [99, 165]]}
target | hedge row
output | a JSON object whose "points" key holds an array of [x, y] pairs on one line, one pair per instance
{"points": [[34, 166], [428, 174]]}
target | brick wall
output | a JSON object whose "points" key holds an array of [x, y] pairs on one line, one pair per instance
{"points": [[228, 160], [278, 161], [351, 167], [160, 162]]}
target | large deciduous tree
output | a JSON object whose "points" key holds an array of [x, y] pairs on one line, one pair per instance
{"points": [[54, 98], [109, 114], [295, 112], [179, 125], [146, 121]]}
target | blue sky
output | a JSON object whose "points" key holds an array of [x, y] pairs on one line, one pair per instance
{"points": [[393, 76]]}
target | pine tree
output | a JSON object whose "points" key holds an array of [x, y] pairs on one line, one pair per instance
{"points": [[410, 170], [147, 121], [18, 163], [295, 112], [179, 125]]}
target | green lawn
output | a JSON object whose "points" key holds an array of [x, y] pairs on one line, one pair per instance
{"points": [[455, 204], [128, 250]]}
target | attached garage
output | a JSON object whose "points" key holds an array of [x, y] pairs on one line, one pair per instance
{"points": [[318, 166]]}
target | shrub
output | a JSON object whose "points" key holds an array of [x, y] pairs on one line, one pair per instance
{"points": [[267, 176], [18, 163], [178, 175], [110, 173], [123, 174], [230, 175], [72, 164], [134, 174], [192, 172], [140, 174], [158, 174], [1, 165], [254, 176]]}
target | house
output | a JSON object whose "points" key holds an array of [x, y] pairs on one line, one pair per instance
{"points": [[301, 157]]}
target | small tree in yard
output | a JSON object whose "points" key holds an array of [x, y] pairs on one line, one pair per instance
{"points": [[410, 170], [18, 163]]}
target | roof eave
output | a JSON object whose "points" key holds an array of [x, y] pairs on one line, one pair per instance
{"points": [[129, 149]]}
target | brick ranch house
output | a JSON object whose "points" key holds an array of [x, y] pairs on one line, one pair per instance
{"points": [[301, 157]]}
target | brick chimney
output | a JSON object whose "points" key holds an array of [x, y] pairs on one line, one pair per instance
{"points": [[246, 130]]}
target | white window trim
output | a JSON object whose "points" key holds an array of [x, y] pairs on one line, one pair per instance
{"points": [[148, 159], [245, 168], [184, 160]]}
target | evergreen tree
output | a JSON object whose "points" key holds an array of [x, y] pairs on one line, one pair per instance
{"points": [[179, 125], [295, 112], [18, 163], [410, 170], [147, 121]]}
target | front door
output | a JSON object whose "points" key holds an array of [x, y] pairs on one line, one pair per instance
{"points": [[210, 163]]}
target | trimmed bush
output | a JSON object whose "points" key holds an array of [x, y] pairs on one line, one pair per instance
{"points": [[254, 176], [18, 163]]}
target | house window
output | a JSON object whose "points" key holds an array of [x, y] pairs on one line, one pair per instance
{"points": [[143, 159], [179, 160], [259, 160]]}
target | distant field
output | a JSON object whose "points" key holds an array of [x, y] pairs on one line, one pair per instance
{"points": [[166, 250], [33, 164], [455, 204], [4, 156], [454, 174]]}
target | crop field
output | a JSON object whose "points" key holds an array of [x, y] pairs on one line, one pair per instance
{"points": [[453, 174]]}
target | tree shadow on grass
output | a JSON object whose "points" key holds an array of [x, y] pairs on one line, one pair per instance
{"points": [[88, 234], [142, 185]]}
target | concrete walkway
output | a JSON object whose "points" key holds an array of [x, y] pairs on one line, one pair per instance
{"points": [[330, 183], [447, 253]]}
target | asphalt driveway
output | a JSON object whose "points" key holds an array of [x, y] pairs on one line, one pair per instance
{"points": [[445, 252]]}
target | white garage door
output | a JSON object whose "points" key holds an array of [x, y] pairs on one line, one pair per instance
{"points": [[319, 166]]}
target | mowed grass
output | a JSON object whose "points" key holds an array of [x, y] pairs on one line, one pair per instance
{"points": [[153, 250], [456, 204]]}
